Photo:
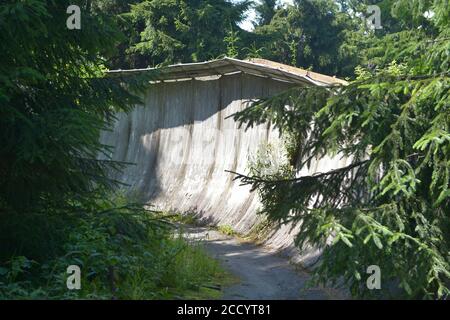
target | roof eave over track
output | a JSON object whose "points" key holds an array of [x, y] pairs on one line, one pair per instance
{"points": [[258, 67]]}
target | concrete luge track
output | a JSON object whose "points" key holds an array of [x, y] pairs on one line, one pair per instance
{"points": [[181, 143]]}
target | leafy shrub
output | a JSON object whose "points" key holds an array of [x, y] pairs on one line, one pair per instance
{"points": [[226, 229], [123, 250]]}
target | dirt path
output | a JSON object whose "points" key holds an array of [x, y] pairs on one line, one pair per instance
{"points": [[262, 274]]}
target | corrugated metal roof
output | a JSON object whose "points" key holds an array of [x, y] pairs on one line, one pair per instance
{"points": [[258, 67]]}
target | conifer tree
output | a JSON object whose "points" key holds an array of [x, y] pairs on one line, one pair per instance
{"points": [[167, 32], [55, 99], [390, 206]]}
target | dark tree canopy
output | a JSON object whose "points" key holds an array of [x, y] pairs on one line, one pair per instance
{"points": [[311, 35], [265, 11], [167, 31], [54, 100]]}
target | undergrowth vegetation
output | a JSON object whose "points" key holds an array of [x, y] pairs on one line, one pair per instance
{"points": [[226, 229], [123, 250]]}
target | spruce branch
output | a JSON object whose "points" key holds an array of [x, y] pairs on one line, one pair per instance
{"points": [[257, 179]]}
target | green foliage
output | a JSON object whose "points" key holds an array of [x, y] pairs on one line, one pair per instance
{"points": [[187, 218], [389, 206], [231, 40], [253, 51], [320, 35], [270, 160], [172, 31], [309, 34], [54, 101], [226, 229], [193, 274], [123, 251], [261, 231], [265, 10]]}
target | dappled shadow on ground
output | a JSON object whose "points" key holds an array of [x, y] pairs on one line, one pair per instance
{"points": [[262, 274]]}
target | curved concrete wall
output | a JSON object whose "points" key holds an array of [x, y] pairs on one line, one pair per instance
{"points": [[181, 143]]}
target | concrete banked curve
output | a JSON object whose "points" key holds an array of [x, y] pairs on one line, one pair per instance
{"points": [[181, 141]]}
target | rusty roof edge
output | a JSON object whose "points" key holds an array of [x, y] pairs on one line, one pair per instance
{"points": [[307, 76], [295, 70]]}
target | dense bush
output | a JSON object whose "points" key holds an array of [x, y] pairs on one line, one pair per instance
{"points": [[123, 250]]}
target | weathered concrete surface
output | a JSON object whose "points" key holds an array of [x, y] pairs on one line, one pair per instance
{"points": [[181, 143]]}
